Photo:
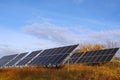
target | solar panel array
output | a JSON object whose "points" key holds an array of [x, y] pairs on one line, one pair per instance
{"points": [[5, 59], [94, 56], [53, 56], [56, 57]]}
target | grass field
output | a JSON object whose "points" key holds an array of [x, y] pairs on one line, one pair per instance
{"points": [[109, 71]]}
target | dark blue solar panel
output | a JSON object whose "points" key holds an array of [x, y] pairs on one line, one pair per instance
{"points": [[12, 62], [60, 59], [53, 56], [75, 57], [108, 58], [93, 53], [28, 58], [5, 59], [87, 54], [98, 56]]}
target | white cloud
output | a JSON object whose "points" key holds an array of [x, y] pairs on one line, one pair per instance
{"points": [[110, 35], [69, 35], [6, 50], [18, 42], [54, 33]]}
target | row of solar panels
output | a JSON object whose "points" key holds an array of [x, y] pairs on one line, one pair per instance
{"points": [[56, 57]]}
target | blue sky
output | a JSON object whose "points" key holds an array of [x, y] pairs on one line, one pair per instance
{"points": [[27, 25]]}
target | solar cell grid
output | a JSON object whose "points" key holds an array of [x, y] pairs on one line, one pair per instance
{"points": [[106, 52], [53, 51], [60, 59], [108, 58], [55, 57], [87, 54], [57, 51], [103, 58], [110, 51], [71, 48], [49, 60], [75, 57], [94, 59], [50, 52], [44, 53], [99, 52], [62, 51], [38, 60], [103, 55], [113, 51], [34, 53], [94, 53], [89, 59]]}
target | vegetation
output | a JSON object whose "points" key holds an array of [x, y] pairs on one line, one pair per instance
{"points": [[108, 71]]}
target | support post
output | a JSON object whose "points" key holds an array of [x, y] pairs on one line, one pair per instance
{"points": [[68, 64]]}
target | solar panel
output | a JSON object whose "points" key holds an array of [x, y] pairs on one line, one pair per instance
{"points": [[75, 56], [28, 58], [94, 56], [5, 59], [54, 56], [16, 59]]}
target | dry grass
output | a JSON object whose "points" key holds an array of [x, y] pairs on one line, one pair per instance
{"points": [[90, 47], [109, 71]]}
